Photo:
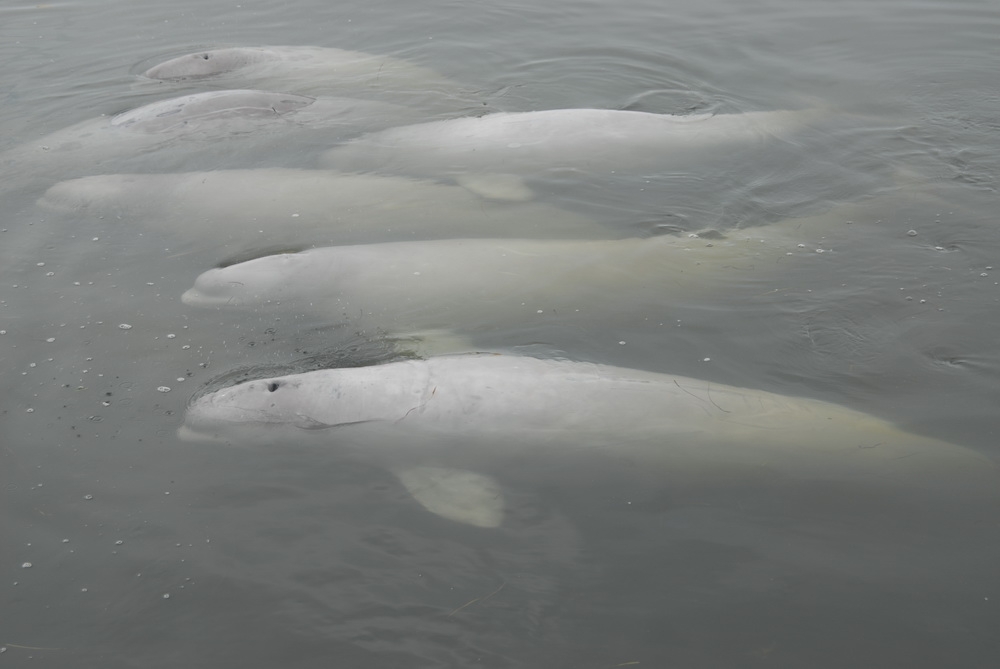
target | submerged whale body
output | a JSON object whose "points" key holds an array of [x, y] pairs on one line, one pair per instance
{"points": [[313, 71], [472, 285], [480, 285], [442, 425], [475, 285], [597, 141], [239, 210], [194, 125]]}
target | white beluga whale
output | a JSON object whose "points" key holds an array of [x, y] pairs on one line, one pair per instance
{"points": [[479, 285], [471, 286], [310, 70], [598, 142], [239, 210], [453, 428], [194, 126]]}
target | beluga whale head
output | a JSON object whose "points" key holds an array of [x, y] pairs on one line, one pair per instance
{"points": [[185, 113], [260, 279], [363, 407], [210, 63], [299, 406]]}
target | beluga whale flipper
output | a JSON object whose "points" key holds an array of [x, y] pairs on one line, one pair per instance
{"points": [[310, 70], [451, 427]]}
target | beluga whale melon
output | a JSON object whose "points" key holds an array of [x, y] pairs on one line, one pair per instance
{"points": [[455, 428], [239, 210], [311, 70], [597, 142], [194, 127]]}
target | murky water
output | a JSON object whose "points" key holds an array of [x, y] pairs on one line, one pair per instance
{"points": [[148, 551]]}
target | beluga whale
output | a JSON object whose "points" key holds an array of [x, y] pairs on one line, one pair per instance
{"points": [[239, 210], [311, 70], [482, 285], [507, 146], [212, 127], [455, 429]]}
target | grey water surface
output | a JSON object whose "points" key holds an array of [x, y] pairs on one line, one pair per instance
{"points": [[122, 546]]}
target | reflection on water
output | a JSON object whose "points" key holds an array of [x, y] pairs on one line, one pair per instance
{"points": [[147, 551]]}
